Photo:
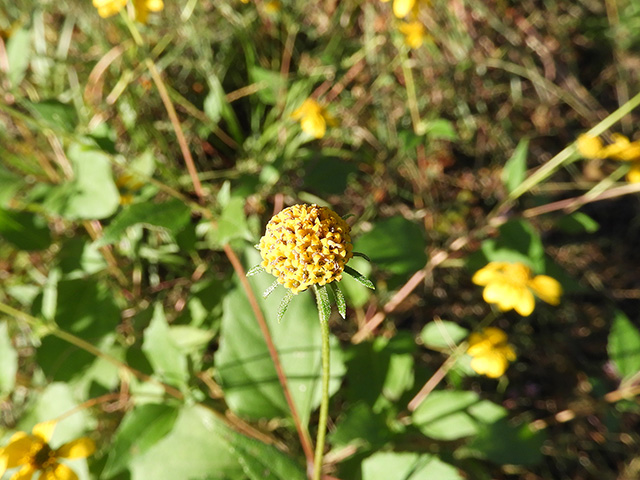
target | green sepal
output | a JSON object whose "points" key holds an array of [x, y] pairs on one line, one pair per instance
{"points": [[270, 289], [359, 277], [324, 305], [340, 301], [255, 269], [360, 254], [284, 304]]}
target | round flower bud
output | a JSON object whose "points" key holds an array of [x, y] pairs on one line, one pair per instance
{"points": [[306, 245]]}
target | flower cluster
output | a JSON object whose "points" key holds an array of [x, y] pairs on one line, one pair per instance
{"points": [[621, 149], [511, 286], [306, 245], [107, 8], [313, 117], [415, 33], [33, 454], [490, 352]]}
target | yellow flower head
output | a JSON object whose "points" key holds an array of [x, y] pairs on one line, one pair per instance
{"points": [[414, 33], [622, 149], [490, 351], [107, 8], [33, 453], [313, 118], [143, 7], [306, 245], [127, 185], [511, 286], [589, 146], [402, 8]]}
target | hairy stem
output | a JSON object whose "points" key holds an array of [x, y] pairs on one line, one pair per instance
{"points": [[326, 371]]}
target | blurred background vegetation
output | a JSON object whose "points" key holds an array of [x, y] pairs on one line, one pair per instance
{"points": [[141, 156]]}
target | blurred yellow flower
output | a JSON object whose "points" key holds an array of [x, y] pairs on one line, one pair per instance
{"points": [[33, 453], [414, 33], [621, 149], [490, 351], [313, 118], [107, 8], [589, 146], [127, 185], [143, 7], [306, 245], [272, 6], [401, 8], [511, 286]]}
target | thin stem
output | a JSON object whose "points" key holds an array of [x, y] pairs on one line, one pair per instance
{"points": [[326, 371]]}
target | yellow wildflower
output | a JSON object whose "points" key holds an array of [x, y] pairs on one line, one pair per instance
{"points": [[107, 8], [306, 245], [143, 7], [490, 351], [401, 8], [272, 7], [589, 146], [33, 453], [414, 33], [313, 118], [621, 149], [511, 286]]}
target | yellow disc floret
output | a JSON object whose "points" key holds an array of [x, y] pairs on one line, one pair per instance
{"points": [[306, 245]]}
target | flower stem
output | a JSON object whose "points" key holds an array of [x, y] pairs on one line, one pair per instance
{"points": [[322, 299]]}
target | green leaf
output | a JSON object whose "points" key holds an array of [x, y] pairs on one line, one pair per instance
{"points": [[284, 304], [515, 169], [92, 194], [442, 335], [395, 244], [8, 361], [55, 114], [201, 446], [503, 443], [624, 346], [255, 270], [361, 279], [360, 426], [444, 415], [357, 294], [25, 230], [407, 466], [86, 309], [140, 429], [19, 51], [517, 242], [271, 83], [577, 223], [339, 297], [172, 215], [166, 358], [244, 368], [440, 129], [324, 305], [381, 370], [232, 223]]}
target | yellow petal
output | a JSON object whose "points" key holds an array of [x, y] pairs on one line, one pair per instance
{"points": [[524, 303], [58, 472], [633, 175], [402, 7], [44, 430], [493, 365], [504, 294], [589, 146], [25, 473], [495, 336], [80, 448], [314, 125], [155, 5], [18, 451], [488, 273], [546, 288]]}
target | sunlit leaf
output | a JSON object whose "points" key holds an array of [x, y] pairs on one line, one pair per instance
{"points": [[514, 170], [407, 466], [624, 345], [8, 361]]}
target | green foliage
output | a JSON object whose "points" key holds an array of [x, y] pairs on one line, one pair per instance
{"points": [[410, 466], [624, 346], [514, 170]]}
